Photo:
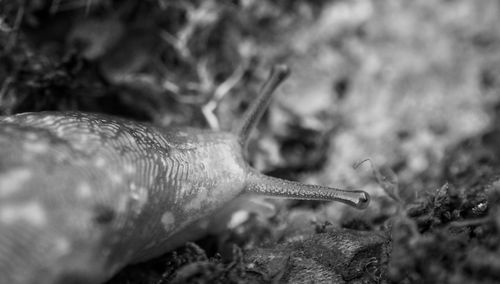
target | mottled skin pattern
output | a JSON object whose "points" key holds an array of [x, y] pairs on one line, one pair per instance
{"points": [[92, 193]]}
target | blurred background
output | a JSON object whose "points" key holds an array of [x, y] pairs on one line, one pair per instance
{"points": [[413, 86]]}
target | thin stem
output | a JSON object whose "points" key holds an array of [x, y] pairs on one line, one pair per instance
{"points": [[275, 187], [256, 110]]}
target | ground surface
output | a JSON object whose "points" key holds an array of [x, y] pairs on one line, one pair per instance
{"points": [[414, 86]]}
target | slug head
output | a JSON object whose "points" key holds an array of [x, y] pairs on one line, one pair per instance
{"points": [[274, 187]]}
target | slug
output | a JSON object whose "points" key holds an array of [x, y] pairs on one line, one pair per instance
{"points": [[83, 195]]}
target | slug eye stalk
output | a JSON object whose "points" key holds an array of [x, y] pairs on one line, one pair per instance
{"points": [[254, 113], [274, 187]]}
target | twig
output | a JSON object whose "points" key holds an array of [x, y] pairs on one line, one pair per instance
{"points": [[220, 92], [15, 29]]}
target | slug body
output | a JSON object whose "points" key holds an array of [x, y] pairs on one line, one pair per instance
{"points": [[83, 195], [126, 186]]}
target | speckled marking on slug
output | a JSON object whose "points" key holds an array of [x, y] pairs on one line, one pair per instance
{"points": [[129, 168], [31, 212], [99, 162], [116, 177], [199, 199], [13, 180], [139, 197], [168, 221], [36, 147], [84, 190]]}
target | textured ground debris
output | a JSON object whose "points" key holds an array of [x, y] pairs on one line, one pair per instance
{"points": [[411, 85], [333, 256]]}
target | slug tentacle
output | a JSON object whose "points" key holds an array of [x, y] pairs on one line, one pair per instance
{"points": [[256, 110], [274, 187]]}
